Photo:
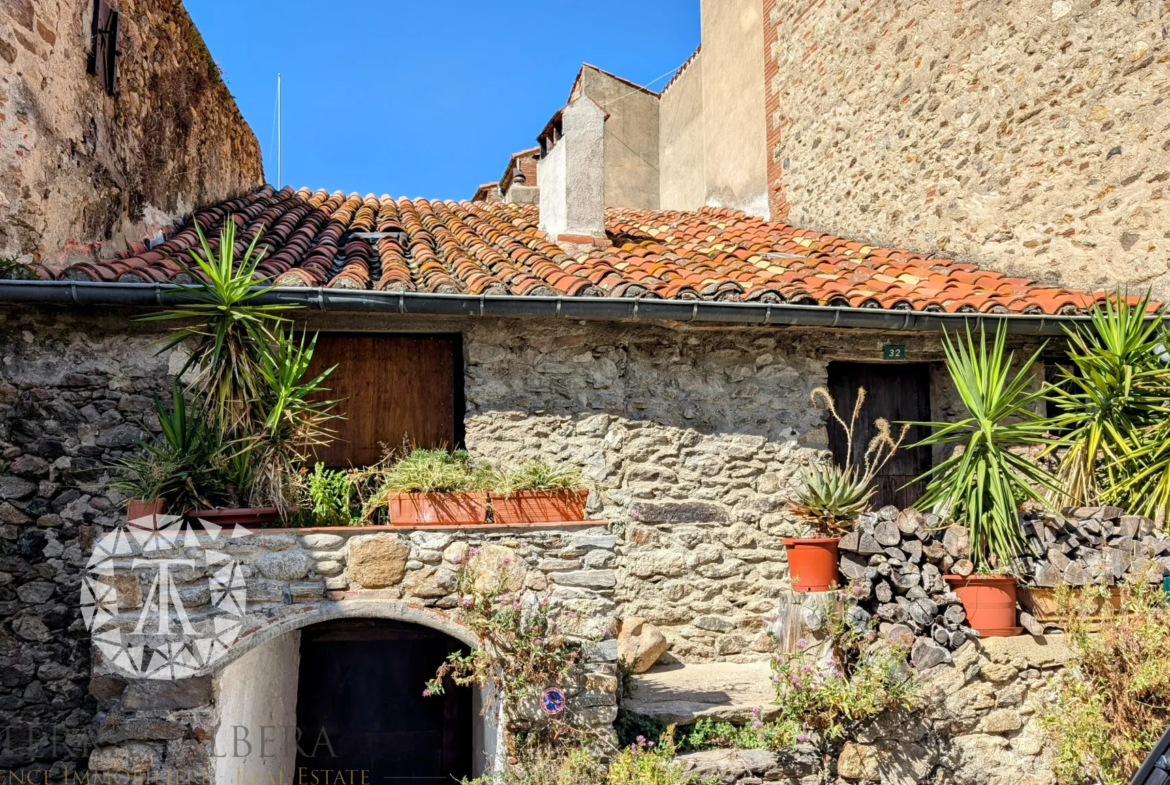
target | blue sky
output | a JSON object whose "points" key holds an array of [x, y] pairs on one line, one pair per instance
{"points": [[425, 99]]}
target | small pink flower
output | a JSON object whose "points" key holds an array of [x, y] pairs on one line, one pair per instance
{"points": [[802, 737], [466, 602], [426, 693], [802, 644]]}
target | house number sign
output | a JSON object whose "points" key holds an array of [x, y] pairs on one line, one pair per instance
{"points": [[552, 701], [894, 352]]}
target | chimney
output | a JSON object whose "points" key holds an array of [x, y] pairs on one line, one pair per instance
{"points": [[571, 174]]}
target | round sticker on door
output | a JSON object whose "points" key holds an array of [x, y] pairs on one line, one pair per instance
{"points": [[552, 701]]}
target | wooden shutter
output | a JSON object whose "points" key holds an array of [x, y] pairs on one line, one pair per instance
{"points": [[394, 389], [103, 51], [898, 392]]}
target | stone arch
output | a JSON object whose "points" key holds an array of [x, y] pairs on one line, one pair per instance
{"points": [[242, 682], [355, 608]]}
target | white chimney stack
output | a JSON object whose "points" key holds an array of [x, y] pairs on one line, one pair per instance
{"points": [[571, 174]]}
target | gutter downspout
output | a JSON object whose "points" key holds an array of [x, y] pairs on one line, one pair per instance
{"points": [[155, 295]]}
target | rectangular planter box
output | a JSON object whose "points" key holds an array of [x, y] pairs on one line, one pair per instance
{"points": [[445, 509], [539, 506], [1041, 603]]}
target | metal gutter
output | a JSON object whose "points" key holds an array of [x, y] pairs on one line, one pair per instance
{"points": [[154, 295]]}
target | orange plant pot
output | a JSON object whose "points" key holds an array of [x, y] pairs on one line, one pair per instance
{"points": [[437, 509], [539, 506], [144, 508], [990, 603], [812, 563]]}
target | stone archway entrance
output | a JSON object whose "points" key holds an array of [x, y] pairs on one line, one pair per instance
{"points": [[339, 692], [361, 708]]}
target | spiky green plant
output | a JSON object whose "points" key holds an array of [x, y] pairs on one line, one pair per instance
{"points": [[227, 330], [535, 475], [295, 419], [430, 471], [1111, 401], [983, 485], [831, 497]]}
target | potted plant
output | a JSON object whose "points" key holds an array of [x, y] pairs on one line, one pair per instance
{"points": [[983, 485], [831, 497], [537, 492], [434, 487], [172, 472]]}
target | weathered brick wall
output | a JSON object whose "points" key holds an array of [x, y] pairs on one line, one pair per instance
{"points": [[83, 172], [1030, 136]]}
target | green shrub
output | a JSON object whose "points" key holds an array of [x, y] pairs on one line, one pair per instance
{"points": [[707, 734], [1113, 703], [536, 476], [431, 471], [331, 494]]}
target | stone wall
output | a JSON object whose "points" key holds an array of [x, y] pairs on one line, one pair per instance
{"points": [[694, 440], [294, 579], [1028, 136], [83, 172], [74, 394], [979, 725]]}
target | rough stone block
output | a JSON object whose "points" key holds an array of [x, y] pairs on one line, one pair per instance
{"points": [[378, 561], [146, 694]]}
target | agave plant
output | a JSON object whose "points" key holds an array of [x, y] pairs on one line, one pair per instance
{"points": [[983, 484], [831, 497], [1112, 403], [227, 331], [179, 467]]}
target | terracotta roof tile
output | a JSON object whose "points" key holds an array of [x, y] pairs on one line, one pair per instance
{"points": [[415, 245]]}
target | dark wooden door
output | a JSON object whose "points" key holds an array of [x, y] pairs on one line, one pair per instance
{"points": [[392, 389], [900, 392], [362, 682]]}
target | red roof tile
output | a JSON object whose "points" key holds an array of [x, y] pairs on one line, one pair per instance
{"points": [[354, 242]]}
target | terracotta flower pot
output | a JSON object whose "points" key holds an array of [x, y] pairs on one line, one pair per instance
{"points": [[812, 562], [444, 509], [143, 508], [539, 506], [990, 603], [248, 517]]}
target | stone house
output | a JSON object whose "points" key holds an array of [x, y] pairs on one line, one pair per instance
{"points": [[670, 353]]}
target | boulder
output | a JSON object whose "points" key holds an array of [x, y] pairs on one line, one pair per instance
{"points": [[640, 644]]}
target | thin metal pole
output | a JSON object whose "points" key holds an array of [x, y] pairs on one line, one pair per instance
{"points": [[278, 150]]}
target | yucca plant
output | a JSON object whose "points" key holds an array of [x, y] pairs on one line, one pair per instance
{"points": [[831, 497], [295, 419], [984, 484], [227, 331], [1112, 404]]}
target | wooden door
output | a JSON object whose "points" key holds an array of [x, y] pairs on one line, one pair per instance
{"points": [[900, 392], [362, 680], [392, 389]]}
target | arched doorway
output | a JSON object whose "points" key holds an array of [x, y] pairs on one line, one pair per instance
{"points": [[266, 693], [361, 708]]}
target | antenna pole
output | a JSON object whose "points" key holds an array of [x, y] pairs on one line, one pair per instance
{"points": [[278, 151]]}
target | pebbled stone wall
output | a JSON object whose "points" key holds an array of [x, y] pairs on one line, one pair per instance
{"points": [[1028, 136], [74, 394], [694, 440], [979, 725], [83, 173]]}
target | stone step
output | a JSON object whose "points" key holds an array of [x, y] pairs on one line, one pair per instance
{"points": [[681, 694]]}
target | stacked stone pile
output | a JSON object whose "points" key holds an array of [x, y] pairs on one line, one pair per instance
{"points": [[895, 561], [1093, 545]]}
